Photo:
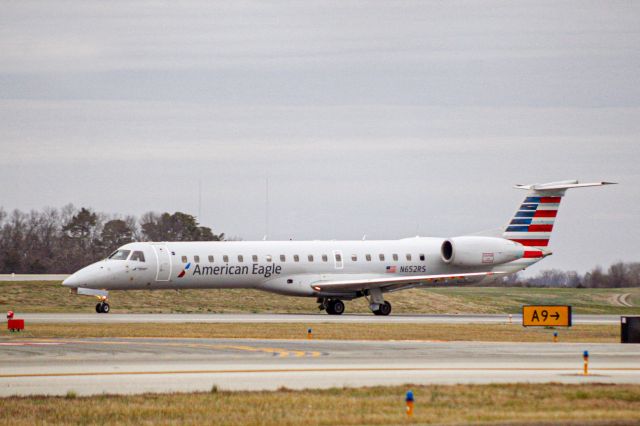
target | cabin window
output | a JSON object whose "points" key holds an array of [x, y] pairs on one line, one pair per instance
{"points": [[120, 255], [310, 258], [409, 256], [269, 258], [283, 258], [338, 257], [296, 258], [395, 256], [381, 257], [422, 257], [240, 258], [137, 256], [225, 258], [196, 259], [325, 258], [184, 259], [254, 257], [368, 257], [354, 257], [210, 259]]}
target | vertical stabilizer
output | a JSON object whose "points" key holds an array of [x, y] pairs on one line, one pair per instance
{"points": [[533, 222]]}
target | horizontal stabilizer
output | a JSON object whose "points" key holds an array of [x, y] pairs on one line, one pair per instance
{"points": [[566, 184]]}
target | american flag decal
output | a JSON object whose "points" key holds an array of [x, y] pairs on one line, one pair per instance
{"points": [[391, 269]]}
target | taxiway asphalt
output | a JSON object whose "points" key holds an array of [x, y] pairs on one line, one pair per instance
{"points": [[96, 366]]}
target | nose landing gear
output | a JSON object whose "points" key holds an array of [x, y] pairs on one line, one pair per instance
{"points": [[103, 308]]}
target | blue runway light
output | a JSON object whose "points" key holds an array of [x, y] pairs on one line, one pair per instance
{"points": [[409, 397]]}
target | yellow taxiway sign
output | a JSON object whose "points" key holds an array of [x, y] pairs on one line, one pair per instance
{"points": [[546, 316]]}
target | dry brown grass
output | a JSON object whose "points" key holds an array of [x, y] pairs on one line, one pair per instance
{"points": [[43, 296], [446, 332], [466, 404]]}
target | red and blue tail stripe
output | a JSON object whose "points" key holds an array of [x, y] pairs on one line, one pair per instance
{"points": [[533, 223]]}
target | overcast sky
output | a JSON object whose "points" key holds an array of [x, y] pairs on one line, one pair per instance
{"points": [[382, 118]]}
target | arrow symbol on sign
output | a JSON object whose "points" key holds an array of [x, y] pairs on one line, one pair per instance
{"points": [[556, 316]]}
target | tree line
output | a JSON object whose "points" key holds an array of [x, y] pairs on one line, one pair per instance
{"points": [[618, 275], [59, 241], [64, 240]]}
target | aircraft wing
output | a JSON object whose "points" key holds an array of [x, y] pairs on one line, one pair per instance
{"points": [[396, 282]]}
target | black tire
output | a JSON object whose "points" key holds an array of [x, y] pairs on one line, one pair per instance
{"points": [[98, 307], [384, 309], [105, 308], [338, 307], [335, 307]]}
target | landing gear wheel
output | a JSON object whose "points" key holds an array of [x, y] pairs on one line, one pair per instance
{"points": [[338, 307], [103, 308], [98, 308], [335, 307], [384, 309]]}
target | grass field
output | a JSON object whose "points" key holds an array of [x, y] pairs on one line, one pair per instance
{"points": [[457, 404], [47, 296], [441, 332]]}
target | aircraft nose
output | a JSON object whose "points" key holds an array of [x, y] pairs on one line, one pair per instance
{"points": [[86, 277], [71, 281]]}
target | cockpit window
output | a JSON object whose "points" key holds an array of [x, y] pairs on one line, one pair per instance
{"points": [[137, 256], [120, 255]]}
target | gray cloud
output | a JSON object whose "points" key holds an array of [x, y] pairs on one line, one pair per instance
{"points": [[382, 118]]}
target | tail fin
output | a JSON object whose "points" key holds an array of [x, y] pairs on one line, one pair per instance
{"points": [[532, 224]]}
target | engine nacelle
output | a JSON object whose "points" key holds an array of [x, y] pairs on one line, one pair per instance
{"points": [[479, 251]]}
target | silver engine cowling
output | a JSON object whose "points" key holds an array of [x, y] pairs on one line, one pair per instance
{"points": [[480, 251]]}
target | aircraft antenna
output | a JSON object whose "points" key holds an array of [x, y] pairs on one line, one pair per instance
{"points": [[266, 207], [199, 200]]}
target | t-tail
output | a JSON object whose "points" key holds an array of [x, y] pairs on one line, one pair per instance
{"points": [[533, 222]]}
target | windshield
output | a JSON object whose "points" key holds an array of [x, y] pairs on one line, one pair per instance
{"points": [[137, 256], [120, 255]]}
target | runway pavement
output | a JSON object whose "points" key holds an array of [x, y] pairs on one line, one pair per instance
{"points": [[95, 366], [294, 318], [33, 277]]}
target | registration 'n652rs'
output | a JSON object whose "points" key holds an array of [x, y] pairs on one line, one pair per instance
{"points": [[413, 268]]}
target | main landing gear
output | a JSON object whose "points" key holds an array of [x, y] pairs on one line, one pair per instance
{"points": [[382, 309], [103, 308], [377, 304], [332, 306]]}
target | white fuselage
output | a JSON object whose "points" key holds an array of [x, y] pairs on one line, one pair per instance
{"points": [[334, 270], [285, 267]]}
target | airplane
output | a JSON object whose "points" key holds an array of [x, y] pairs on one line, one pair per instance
{"points": [[333, 271]]}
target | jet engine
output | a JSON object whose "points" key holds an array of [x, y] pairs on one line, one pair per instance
{"points": [[479, 251]]}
